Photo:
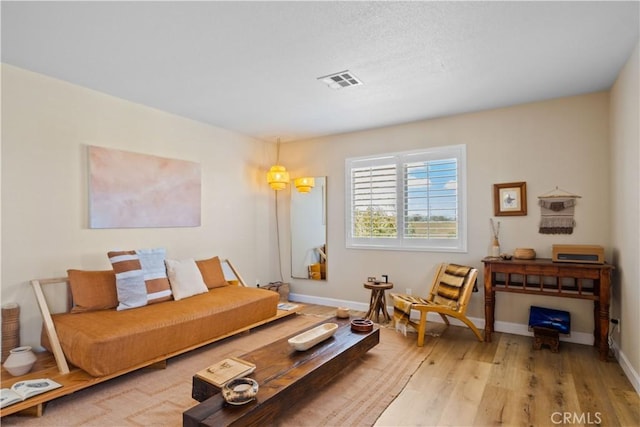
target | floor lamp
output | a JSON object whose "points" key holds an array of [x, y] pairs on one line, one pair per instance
{"points": [[278, 178]]}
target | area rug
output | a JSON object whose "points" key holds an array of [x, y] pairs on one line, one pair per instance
{"points": [[149, 397]]}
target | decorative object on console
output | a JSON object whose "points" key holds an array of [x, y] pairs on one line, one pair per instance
{"points": [[524, 253], [557, 208], [10, 328], [590, 254], [20, 361], [510, 199], [304, 184], [278, 177], [495, 247]]}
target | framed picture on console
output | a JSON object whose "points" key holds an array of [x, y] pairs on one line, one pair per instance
{"points": [[510, 199]]}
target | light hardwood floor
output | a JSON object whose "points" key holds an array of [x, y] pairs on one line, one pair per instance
{"points": [[463, 382]]}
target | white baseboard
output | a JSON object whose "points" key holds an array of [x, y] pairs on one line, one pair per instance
{"points": [[631, 373], [330, 302], [508, 327]]}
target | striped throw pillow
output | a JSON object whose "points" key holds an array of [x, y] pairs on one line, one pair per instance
{"points": [[155, 274], [130, 285], [141, 277]]}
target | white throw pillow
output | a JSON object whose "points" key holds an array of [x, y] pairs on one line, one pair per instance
{"points": [[185, 278]]}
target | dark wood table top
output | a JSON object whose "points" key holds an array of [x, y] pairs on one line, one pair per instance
{"points": [[284, 376], [378, 286]]}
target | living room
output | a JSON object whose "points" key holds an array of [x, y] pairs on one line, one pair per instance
{"points": [[586, 143]]}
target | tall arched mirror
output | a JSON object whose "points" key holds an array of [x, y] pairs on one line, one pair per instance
{"points": [[309, 231]]}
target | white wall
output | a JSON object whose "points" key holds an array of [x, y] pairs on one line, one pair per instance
{"points": [[562, 142], [625, 212], [46, 126], [47, 123]]}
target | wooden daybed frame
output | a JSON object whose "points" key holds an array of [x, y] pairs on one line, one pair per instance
{"points": [[54, 364]]}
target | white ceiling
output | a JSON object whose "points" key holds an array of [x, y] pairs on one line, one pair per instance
{"points": [[252, 67]]}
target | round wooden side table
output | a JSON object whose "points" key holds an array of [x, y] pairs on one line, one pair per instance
{"points": [[378, 302]]}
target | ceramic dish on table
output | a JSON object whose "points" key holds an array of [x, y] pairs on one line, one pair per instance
{"points": [[240, 391], [361, 325], [308, 339]]}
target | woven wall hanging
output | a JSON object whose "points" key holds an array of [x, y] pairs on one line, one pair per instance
{"points": [[557, 208]]}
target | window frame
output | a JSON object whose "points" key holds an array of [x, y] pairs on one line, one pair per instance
{"points": [[399, 242]]}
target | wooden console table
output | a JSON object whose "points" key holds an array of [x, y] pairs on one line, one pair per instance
{"points": [[557, 279]]}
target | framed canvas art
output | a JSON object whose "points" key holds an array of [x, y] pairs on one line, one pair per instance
{"points": [[133, 190]]}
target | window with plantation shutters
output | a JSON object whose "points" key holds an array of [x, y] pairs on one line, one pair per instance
{"points": [[410, 200]]}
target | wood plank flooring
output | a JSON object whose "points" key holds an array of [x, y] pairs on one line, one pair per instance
{"points": [[463, 382]]}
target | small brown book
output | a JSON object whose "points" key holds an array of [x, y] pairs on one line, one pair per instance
{"points": [[226, 370]]}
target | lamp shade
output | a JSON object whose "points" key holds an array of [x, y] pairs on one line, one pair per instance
{"points": [[304, 184], [278, 177]]}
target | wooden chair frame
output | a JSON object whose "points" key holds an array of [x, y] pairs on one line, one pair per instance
{"points": [[444, 311]]}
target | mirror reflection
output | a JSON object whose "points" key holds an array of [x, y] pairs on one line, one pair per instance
{"points": [[309, 231]]}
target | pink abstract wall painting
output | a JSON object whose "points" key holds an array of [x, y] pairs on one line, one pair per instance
{"points": [[132, 190]]}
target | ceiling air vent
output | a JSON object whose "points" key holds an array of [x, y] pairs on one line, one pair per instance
{"points": [[340, 80]]}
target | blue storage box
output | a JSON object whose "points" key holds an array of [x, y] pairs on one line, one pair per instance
{"points": [[549, 318]]}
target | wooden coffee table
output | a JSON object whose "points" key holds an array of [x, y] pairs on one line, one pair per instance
{"points": [[284, 375]]}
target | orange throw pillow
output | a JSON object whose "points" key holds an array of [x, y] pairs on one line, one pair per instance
{"points": [[211, 271], [92, 290]]}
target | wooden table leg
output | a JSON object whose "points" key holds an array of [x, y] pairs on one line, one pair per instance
{"points": [[383, 306], [372, 299], [376, 305], [489, 303]]}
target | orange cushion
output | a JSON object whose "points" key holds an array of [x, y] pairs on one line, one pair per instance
{"points": [[92, 290], [106, 342], [211, 271]]}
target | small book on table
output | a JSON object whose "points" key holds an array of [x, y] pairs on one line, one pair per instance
{"points": [[226, 370]]}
